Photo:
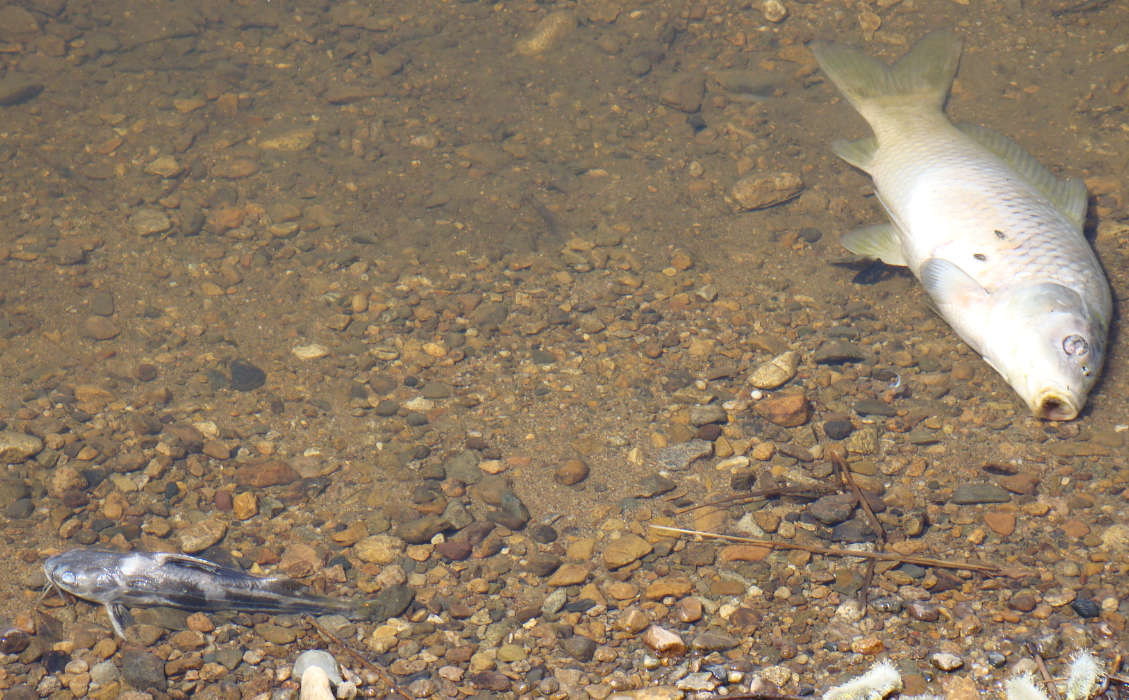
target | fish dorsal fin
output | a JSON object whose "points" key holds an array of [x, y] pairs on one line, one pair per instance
{"points": [[1067, 194], [858, 153], [948, 285], [186, 562], [880, 241]]}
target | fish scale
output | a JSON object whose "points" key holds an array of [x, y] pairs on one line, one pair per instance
{"points": [[995, 238]]}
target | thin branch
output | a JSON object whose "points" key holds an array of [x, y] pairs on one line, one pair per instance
{"points": [[837, 552], [359, 657], [1048, 681]]}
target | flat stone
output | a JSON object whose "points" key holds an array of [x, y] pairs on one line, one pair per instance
{"points": [[710, 413], [621, 551], [99, 328], [313, 351], [379, 549], [571, 472], [16, 447], [838, 352], [1023, 483], [680, 456], [973, 494], [832, 509], [776, 372], [714, 641], [664, 641], [149, 222], [272, 472], [743, 552], [199, 536], [674, 586], [786, 410], [763, 191], [568, 574], [683, 91], [1000, 522]]}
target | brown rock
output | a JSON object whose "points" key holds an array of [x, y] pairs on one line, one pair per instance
{"points": [[215, 449], [743, 552], [1075, 528], [787, 410], [676, 586], [571, 472], [1023, 601], [199, 536], [760, 192], [568, 575], [622, 590], [1023, 483], [869, 645], [245, 505], [633, 620], [664, 641], [624, 550], [235, 169], [688, 610], [100, 328], [272, 472], [1001, 523]]}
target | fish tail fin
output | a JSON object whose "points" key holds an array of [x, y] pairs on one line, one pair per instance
{"points": [[920, 78]]}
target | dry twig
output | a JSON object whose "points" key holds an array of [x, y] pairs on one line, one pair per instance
{"points": [[359, 657], [838, 552]]}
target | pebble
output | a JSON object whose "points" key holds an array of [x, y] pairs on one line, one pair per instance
{"points": [[143, 670], [571, 472], [664, 641], [776, 372], [199, 536], [838, 352], [547, 33], [100, 328], [624, 550], [16, 447], [271, 472], [679, 457], [313, 351], [946, 661], [978, 493], [786, 410], [838, 429], [711, 413], [579, 648], [246, 376], [149, 222], [683, 92]]}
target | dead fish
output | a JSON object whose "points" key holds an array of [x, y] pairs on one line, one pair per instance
{"points": [[994, 237], [120, 579]]}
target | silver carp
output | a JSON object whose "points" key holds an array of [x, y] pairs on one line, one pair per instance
{"points": [[994, 237], [120, 579]]}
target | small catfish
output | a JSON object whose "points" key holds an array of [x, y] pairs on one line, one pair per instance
{"points": [[118, 579]]}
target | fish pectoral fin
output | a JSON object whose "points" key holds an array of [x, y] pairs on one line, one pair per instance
{"points": [[119, 617], [1068, 195], [858, 153], [948, 285], [880, 242]]}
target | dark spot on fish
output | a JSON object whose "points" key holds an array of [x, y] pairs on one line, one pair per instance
{"points": [[1000, 234], [980, 256]]}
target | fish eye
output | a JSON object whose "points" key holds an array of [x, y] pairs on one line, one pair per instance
{"points": [[1075, 345]]}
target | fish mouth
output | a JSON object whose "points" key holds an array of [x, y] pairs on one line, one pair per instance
{"points": [[1052, 404]]}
